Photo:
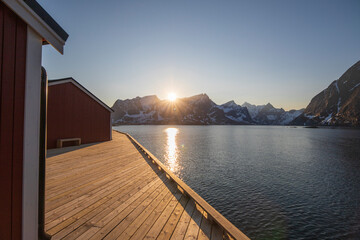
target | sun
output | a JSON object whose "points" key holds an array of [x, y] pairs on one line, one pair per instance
{"points": [[172, 97]]}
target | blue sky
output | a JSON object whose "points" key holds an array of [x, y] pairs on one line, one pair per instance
{"points": [[283, 52]]}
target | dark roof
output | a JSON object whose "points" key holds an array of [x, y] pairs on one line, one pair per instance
{"points": [[84, 89], [35, 6]]}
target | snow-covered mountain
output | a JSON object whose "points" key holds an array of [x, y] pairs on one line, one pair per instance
{"points": [[253, 109], [236, 112], [136, 110], [338, 104], [198, 109], [269, 115]]}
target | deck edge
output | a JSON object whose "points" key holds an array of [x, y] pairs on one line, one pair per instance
{"points": [[217, 217]]}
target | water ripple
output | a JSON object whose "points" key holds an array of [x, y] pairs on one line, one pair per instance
{"points": [[271, 182]]}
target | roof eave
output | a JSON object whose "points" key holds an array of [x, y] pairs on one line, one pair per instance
{"points": [[77, 84], [39, 20]]}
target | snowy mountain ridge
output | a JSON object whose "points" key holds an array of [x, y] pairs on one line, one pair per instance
{"points": [[337, 105], [197, 110]]}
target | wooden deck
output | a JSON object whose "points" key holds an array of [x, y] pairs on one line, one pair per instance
{"points": [[112, 190]]}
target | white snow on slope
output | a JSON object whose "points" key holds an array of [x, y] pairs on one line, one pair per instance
{"points": [[338, 105], [289, 116], [327, 120], [236, 119], [354, 87], [253, 109]]}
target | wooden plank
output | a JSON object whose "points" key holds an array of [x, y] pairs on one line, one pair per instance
{"points": [[97, 213], [88, 233], [161, 221], [85, 189], [205, 228], [170, 225], [82, 164], [96, 172], [60, 171], [110, 221], [75, 213], [216, 232], [120, 228], [57, 173], [88, 186], [184, 221], [83, 184], [71, 208], [53, 163], [194, 225], [85, 211], [131, 229], [144, 228]]}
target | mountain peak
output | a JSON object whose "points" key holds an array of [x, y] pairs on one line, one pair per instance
{"points": [[198, 109], [246, 104], [150, 97], [269, 105], [230, 104], [200, 97]]}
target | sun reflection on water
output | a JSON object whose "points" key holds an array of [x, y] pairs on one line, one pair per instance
{"points": [[172, 149]]}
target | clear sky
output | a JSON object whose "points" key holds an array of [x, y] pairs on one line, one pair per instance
{"points": [[283, 52]]}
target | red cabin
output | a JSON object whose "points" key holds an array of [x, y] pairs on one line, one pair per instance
{"points": [[74, 112]]}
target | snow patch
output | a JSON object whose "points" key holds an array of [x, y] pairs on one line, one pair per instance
{"points": [[338, 105], [354, 87], [236, 119], [309, 116], [253, 109], [287, 117], [327, 119]]}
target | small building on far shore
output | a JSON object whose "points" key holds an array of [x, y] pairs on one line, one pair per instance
{"points": [[74, 112]]}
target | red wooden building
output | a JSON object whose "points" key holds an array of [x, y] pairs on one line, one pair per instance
{"points": [[24, 27], [74, 112]]}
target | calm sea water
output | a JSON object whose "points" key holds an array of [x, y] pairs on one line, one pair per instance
{"points": [[271, 182]]}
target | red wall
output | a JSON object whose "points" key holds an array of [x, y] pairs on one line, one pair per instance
{"points": [[13, 35], [72, 113]]}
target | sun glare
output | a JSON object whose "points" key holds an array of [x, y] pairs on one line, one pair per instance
{"points": [[172, 150], [172, 97]]}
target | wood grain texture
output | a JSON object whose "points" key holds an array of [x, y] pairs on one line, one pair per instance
{"points": [[111, 190], [13, 39]]}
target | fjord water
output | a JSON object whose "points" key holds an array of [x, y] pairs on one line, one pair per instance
{"points": [[272, 182]]}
